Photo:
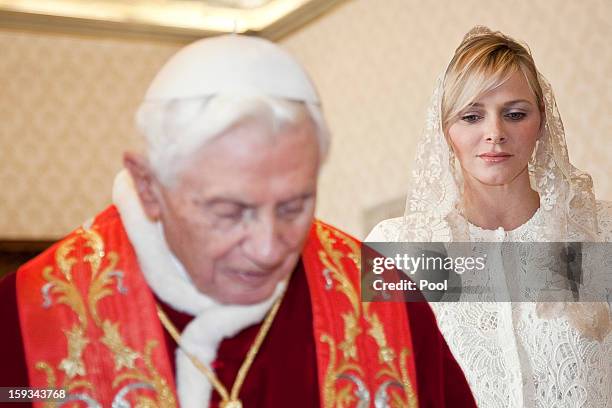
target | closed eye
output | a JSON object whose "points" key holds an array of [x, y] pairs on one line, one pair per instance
{"points": [[229, 211], [291, 209]]}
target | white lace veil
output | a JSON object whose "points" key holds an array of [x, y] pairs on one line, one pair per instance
{"points": [[433, 205]]}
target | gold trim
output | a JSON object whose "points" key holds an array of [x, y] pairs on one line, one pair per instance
{"points": [[332, 260], [51, 380], [100, 286], [124, 356], [69, 294], [331, 397], [229, 399], [73, 365], [63, 261]]}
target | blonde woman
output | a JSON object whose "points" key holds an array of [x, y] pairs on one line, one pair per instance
{"points": [[493, 167]]}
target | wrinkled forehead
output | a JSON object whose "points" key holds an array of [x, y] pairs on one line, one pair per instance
{"points": [[254, 135], [253, 152]]}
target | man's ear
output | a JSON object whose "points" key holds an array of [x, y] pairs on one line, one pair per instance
{"points": [[145, 183]]}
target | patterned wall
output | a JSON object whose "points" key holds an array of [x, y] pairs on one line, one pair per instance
{"points": [[66, 103], [376, 62], [66, 109]]}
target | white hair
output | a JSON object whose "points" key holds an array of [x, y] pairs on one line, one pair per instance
{"points": [[175, 129]]}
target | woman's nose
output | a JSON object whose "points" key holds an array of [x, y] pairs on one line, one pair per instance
{"points": [[494, 133]]}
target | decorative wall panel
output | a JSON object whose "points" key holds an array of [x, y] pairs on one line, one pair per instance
{"points": [[67, 103]]}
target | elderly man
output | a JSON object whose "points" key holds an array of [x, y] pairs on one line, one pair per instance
{"points": [[208, 282]]}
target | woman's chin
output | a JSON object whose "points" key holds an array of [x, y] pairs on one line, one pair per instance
{"points": [[496, 178], [495, 182]]}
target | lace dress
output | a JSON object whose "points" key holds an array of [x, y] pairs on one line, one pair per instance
{"points": [[513, 357]]}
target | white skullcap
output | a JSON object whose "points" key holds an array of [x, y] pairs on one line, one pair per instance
{"points": [[232, 64]]}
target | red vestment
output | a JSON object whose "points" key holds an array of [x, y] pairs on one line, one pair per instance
{"points": [[322, 343]]}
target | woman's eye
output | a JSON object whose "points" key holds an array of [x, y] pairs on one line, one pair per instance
{"points": [[516, 115], [470, 118]]}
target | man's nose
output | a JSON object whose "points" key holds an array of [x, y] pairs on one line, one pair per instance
{"points": [[264, 245], [494, 131]]}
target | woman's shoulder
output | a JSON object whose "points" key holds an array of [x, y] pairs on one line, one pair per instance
{"points": [[386, 230]]}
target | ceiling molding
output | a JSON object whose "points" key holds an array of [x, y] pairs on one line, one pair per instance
{"points": [[303, 11]]}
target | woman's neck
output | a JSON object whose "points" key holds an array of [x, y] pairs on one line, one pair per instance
{"points": [[508, 206]]}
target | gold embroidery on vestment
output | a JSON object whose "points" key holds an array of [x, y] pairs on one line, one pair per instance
{"points": [[64, 290], [73, 365], [340, 368]]}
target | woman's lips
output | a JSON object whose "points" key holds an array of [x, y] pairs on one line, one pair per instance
{"points": [[495, 157]]}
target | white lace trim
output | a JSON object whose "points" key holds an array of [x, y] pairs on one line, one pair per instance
{"points": [[511, 356], [520, 233]]}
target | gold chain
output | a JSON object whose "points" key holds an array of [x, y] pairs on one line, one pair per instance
{"points": [[228, 400]]}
